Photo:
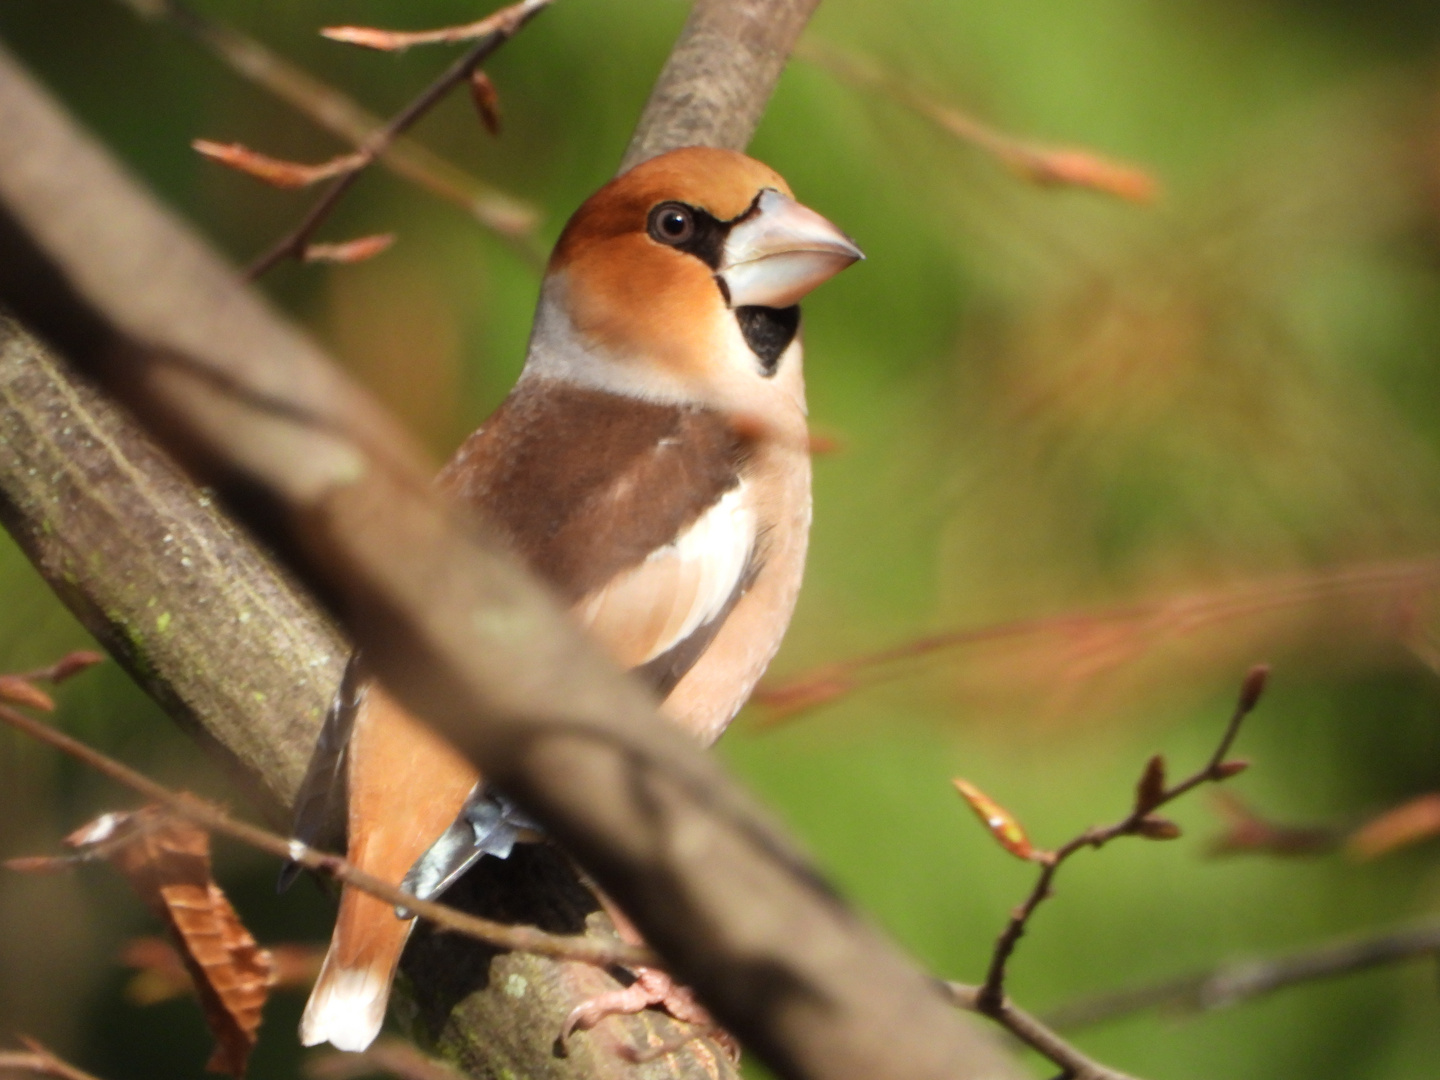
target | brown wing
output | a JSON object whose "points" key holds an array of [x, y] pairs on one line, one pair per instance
{"points": [[586, 484]]}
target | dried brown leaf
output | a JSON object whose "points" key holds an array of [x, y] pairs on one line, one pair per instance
{"points": [[167, 862], [277, 171], [1406, 824], [349, 251], [161, 974], [486, 99]]}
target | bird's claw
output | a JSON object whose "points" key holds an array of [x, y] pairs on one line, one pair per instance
{"points": [[652, 988]]}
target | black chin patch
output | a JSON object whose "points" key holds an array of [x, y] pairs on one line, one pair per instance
{"points": [[768, 331]]}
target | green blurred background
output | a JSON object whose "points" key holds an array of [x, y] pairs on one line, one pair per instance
{"points": [[1214, 414]]}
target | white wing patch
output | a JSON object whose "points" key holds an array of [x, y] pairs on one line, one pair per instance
{"points": [[651, 608]]}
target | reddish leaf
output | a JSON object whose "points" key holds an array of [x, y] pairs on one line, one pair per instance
{"points": [[1001, 823], [1150, 791], [1406, 824], [486, 99], [276, 171], [20, 691], [350, 251], [1226, 769], [822, 443], [167, 862]]}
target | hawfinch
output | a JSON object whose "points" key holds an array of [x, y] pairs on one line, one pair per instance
{"points": [[652, 465]]}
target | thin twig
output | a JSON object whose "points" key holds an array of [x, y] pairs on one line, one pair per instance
{"points": [[1151, 794], [511, 218], [1237, 981], [1140, 627], [39, 1060], [1047, 166], [389, 1055], [1036, 1035], [508, 22], [211, 817]]}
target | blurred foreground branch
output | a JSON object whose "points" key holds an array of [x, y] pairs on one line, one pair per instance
{"points": [[1241, 980], [452, 625]]}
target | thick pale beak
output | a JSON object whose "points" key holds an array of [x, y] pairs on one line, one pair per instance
{"points": [[780, 252]]}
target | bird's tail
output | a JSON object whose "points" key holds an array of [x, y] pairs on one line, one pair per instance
{"points": [[347, 1005]]}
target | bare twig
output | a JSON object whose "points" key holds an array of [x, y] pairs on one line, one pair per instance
{"points": [[505, 24], [1121, 633], [1246, 832], [40, 1061], [1044, 165], [513, 219], [389, 1055], [1237, 981], [1036, 1035], [368, 37], [210, 817], [1151, 794]]}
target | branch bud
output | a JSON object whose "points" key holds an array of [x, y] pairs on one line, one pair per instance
{"points": [[1003, 826], [1157, 828], [1150, 791]]}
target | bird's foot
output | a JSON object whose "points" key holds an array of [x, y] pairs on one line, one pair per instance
{"points": [[652, 988]]}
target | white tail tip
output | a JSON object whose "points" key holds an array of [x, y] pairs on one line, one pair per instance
{"points": [[345, 1009]]}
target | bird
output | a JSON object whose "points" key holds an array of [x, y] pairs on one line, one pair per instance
{"points": [[651, 464]]}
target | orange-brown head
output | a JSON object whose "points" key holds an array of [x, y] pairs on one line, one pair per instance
{"points": [[680, 278]]}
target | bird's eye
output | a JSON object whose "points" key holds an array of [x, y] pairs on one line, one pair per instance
{"points": [[672, 223]]}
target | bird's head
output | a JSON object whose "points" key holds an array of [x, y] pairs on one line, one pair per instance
{"points": [[679, 281]]}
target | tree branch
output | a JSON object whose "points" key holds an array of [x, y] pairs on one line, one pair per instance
{"points": [[1036, 1035], [714, 87], [1241, 980]]}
